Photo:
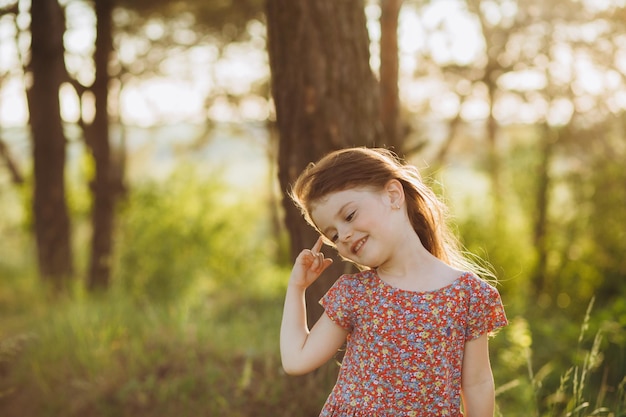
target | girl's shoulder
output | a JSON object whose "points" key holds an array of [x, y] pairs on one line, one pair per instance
{"points": [[348, 289], [359, 281], [478, 290], [472, 280]]}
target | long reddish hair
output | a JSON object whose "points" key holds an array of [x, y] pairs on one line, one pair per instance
{"points": [[375, 167]]}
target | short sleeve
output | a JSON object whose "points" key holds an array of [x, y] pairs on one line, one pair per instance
{"points": [[339, 300], [486, 312]]}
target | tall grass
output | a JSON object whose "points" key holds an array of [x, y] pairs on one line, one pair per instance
{"points": [[575, 397], [579, 392]]}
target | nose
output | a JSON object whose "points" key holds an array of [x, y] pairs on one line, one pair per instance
{"points": [[345, 234]]}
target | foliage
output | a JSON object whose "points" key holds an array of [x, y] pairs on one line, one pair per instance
{"points": [[578, 386], [188, 233], [226, 18]]}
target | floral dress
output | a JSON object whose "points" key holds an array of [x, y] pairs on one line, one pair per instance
{"points": [[405, 349]]}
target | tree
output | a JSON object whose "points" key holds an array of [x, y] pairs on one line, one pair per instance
{"points": [[326, 98], [389, 63], [107, 183], [47, 68]]}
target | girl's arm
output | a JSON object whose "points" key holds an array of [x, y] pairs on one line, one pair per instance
{"points": [[302, 350], [477, 386]]}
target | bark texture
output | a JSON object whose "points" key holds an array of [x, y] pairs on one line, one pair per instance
{"points": [[47, 69], [105, 185], [326, 98]]}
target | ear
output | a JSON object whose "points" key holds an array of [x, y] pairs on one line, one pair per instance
{"points": [[395, 193]]}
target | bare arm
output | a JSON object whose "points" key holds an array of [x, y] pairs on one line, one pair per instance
{"points": [[302, 350], [477, 386]]}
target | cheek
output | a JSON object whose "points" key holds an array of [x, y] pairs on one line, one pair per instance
{"points": [[368, 221], [344, 252]]}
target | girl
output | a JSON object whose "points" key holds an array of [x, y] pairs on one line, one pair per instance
{"points": [[416, 318]]}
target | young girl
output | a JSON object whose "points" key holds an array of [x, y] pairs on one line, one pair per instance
{"points": [[416, 318]]}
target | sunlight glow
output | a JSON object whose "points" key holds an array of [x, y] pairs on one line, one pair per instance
{"points": [[13, 108], [454, 33], [443, 30], [498, 12], [222, 110], [603, 5], [159, 101], [254, 107], [446, 104], [560, 112], [70, 109], [475, 109], [524, 80], [590, 80]]}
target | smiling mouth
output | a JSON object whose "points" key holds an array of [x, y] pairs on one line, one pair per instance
{"points": [[358, 245]]}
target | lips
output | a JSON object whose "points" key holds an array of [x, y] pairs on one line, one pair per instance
{"points": [[358, 245]]}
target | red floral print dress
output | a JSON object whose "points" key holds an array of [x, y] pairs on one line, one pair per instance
{"points": [[404, 349]]}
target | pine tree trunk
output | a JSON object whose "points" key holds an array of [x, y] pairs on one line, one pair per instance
{"points": [[47, 67], [104, 187], [326, 98], [389, 67], [541, 220]]}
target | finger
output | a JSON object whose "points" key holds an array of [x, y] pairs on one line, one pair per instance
{"points": [[321, 265], [315, 261], [319, 260], [318, 245], [326, 263]]}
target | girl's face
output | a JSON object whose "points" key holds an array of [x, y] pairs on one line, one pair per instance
{"points": [[359, 223]]}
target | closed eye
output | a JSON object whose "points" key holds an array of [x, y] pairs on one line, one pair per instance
{"points": [[348, 218]]}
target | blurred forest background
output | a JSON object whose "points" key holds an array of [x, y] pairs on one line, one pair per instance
{"points": [[145, 147]]}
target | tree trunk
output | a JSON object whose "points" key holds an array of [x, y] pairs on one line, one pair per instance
{"points": [[104, 185], [493, 156], [47, 67], [389, 62], [540, 230], [496, 40], [326, 98]]}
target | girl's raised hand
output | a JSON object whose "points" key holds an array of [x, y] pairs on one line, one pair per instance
{"points": [[309, 265]]}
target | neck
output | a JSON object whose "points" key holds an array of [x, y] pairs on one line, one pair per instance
{"points": [[409, 256]]}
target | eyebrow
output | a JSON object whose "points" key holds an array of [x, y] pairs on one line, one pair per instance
{"points": [[325, 231]]}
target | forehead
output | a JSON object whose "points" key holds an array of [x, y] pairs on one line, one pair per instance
{"points": [[326, 208]]}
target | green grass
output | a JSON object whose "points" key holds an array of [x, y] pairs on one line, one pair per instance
{"points": [[583, 387], [113, 357]]}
